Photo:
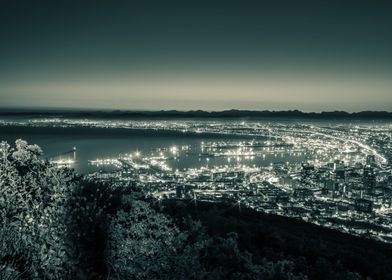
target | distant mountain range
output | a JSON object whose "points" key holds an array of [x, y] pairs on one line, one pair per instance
{"points": [[173, 114]]}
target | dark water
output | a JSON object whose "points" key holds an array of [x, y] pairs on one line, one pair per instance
{"points": [[93, 143]]}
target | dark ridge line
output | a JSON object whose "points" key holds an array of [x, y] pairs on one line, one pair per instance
{"points": [[226, 114]]}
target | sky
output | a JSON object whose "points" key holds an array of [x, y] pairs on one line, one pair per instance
{"points": [[211, 55]]}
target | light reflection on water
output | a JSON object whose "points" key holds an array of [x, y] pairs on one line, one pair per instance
{"points": [[93, 143]]}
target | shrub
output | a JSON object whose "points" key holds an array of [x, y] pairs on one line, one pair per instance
{"points": [[33, 198], [141, 244]]}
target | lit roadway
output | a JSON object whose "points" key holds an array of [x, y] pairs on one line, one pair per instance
{"points": [[380, 157]]}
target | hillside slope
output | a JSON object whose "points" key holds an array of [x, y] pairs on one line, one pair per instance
{"points": [[321, 250]]}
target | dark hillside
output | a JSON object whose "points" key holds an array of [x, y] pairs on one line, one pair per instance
{"points": [[198, 114], [273, 237]]}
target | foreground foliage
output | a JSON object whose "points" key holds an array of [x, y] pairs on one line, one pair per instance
{"points": [[58, 225]]}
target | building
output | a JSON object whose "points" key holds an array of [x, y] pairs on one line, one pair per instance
{"points": [[184, 191], [370, 160], [363, 205], [369, 179]]}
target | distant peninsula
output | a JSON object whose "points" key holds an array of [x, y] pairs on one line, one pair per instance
{"points": [[177, 114]]}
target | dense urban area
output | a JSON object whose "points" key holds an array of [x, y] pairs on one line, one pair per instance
{"points": [[341, 177]]}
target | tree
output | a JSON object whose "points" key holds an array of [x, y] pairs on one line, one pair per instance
{"points": [[33, 201], [141, 244]]}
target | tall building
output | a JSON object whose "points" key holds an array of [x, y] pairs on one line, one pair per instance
{"points": [[338, 164], [308, 174], [340, 174], [369, 179], [370, 160]]}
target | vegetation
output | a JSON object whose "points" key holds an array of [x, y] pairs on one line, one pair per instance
{"points": [[56, 224], [317, 252]]}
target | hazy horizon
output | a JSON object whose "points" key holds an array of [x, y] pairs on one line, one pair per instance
{"points": [[251, 55]]}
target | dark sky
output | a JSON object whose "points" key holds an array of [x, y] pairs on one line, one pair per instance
{"points": [[308, 55]]}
